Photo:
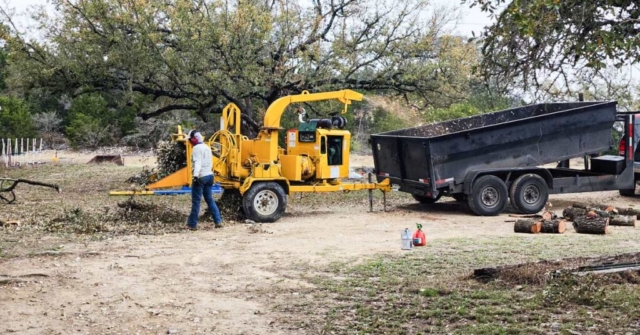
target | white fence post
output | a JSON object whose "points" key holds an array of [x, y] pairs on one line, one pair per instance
{"points": [[9, 152], [15, 152]]}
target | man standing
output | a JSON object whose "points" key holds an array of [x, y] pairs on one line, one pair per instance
{"points": [[202, 181]]}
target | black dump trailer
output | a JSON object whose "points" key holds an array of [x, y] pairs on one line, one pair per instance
{"points": [[490, 158]]}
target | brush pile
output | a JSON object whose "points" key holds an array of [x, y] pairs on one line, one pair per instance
{"points": [[172, 156], [130, 216]]}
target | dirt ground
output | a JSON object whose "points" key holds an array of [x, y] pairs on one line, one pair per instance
{"points": [[215, 281]]}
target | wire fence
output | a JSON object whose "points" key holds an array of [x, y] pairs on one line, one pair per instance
{"points": [[17, 152]]}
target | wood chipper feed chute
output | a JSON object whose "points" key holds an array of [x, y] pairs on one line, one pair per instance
{"points": [[315, 158]]}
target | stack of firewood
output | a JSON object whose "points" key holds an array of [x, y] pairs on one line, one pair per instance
{"points": [[596, 219]]}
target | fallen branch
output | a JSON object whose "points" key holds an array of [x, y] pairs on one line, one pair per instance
{"points": [[9, 193]]}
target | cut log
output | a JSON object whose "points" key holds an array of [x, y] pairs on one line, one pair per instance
{"points": [[599, 225], [610, 209], [629, 211], [527, 226], [591, 214], [570, 213], [624, 220], [553, 227], [549, 216]]}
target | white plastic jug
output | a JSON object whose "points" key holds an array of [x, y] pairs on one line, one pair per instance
{"points": [[407, 242]]}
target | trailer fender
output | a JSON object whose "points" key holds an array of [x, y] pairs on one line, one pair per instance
{"points": [[250, 181], [508, 175]]}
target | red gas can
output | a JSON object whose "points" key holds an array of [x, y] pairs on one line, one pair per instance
{"points": [[419, 238]]}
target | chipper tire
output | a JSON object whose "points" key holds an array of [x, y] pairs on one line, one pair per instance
{"points": [[529, 193], [426, 200], [488, 196], [264, 202]]}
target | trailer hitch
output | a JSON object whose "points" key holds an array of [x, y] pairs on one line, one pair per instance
{"points": [[8, 195]]}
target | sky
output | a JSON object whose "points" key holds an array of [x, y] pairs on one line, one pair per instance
{"points": [[472, 19]]}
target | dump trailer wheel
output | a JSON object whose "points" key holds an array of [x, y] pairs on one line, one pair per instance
{"points": [[488, 196], [264, 202], [426, 200], [529, 193]]}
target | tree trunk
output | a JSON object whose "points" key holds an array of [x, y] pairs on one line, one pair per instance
{"points": [[527, 226], [553, 226], [599, 225], [570, 213], [623, 220]]}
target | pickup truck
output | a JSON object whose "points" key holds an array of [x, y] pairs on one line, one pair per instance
{"points": [[493, 159]]}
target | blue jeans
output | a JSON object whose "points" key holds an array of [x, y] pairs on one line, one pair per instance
{"points": [[203, 185]]}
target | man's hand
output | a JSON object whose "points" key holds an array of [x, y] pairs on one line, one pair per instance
{"points": [[194, 180]]}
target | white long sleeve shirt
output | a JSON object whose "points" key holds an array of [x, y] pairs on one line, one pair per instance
{"points": [[201, 161]]}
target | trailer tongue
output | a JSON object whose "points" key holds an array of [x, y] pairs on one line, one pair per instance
{"points": [[487, 159]]}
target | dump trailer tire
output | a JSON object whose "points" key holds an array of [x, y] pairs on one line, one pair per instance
{"points": [[426, 200], [488, 196], [529, 193], [264, 202]]}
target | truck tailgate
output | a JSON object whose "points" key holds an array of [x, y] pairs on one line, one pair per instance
{"points": [[405, 159]]}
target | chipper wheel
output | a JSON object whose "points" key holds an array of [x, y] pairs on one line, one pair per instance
{"points": [[488, 196], [529, 193], [264, 202]]}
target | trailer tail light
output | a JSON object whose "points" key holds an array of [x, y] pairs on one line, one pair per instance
{"points": [[630, 134], [622, 147]]}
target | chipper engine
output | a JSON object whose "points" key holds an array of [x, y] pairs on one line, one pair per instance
{"points": [[315, 157]]}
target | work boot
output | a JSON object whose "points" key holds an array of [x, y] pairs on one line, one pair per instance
{"points": [[218, 225]]}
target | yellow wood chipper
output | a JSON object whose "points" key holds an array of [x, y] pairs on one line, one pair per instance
{"points": [[315, 159]]}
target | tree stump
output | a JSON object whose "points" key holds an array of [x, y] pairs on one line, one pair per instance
{"points": [[527, 226], [570, 213], [598, 225], [553, 227], [624, 220]]}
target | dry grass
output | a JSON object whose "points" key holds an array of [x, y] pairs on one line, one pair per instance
{"points": [[426, 291], [432, 290]]}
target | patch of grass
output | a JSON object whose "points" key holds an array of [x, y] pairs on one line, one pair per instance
{"points": [[430, 291]]}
